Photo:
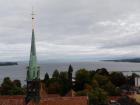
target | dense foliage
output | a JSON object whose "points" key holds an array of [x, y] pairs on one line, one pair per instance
{"points": [[9, 87], [98, 84]]}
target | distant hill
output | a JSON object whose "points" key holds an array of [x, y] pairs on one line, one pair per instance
{"points": [[136, 60], [8, 63]]}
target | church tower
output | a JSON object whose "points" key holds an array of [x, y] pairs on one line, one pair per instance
{"points": [[33, 72]]}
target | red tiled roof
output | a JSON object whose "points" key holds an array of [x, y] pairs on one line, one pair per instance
{"points": [[65, 101], [19, 100], [11, 100]]}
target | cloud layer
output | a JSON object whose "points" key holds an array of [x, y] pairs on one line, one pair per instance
{"points": [[71, 30]]}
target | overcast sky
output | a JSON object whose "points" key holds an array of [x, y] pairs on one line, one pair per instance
{"points": [[70, 29]]}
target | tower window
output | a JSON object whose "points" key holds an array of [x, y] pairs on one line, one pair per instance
{"points": [[34, 74]]}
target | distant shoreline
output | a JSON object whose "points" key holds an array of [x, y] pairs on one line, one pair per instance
{"points": [[134, 60]]}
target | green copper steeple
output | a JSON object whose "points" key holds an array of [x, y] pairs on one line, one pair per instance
{"points": [[33, 72], [33, 69]]}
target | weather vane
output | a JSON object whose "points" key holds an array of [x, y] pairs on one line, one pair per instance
{"points": [[33, 18]]}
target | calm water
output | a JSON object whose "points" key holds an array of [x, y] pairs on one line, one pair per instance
{"points": [[19, 71]]}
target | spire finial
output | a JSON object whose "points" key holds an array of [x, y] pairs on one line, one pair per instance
{"points": [[33, 18]]}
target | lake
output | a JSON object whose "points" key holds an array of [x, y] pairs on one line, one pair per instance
{"points": [[19, 71]]}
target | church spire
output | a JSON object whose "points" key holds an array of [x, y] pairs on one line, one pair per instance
{"points": [[33, 71]]}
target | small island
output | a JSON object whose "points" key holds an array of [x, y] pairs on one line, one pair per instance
{"points": [[8, 63]]}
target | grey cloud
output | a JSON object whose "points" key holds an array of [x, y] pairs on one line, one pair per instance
{"points": [[121, 43], [64, 28]]}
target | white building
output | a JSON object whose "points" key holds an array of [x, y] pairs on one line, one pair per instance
{"points": [[137, 81]]}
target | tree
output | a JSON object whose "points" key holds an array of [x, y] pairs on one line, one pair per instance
{"points": [[94, 84], [88, 88], [64, 82], [70, 70], [118, 91], [91, 74], [102, 71], [53, 86], [101, 79], [82, 77], [17, 83], [55, 74], [96, 97], [117, 78], [63, 75], [110, 88], [9, 87], [46, 78], [65, 87]]}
